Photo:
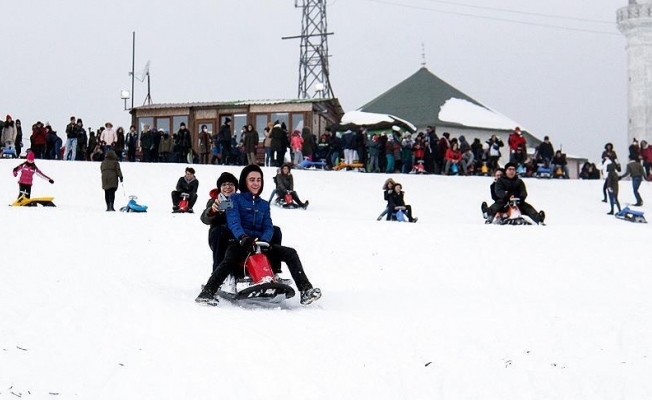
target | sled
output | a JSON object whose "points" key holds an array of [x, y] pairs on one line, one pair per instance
{"points": [[357, 166], [305, 164], [418, 168], [183, 206], [256, 282], [286, 201], [510, 216], [543, 172], [484, 169], [23, 201], [9, 152], [132, 206], [630, 215]]}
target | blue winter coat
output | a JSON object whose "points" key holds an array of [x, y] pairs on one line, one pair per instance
{"points": [[250, 216]]}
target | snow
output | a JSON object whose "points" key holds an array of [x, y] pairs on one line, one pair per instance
{"points": [[366, 118], [468, 114], [98, 305]]}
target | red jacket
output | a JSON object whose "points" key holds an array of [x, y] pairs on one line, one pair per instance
{"points": [[646, 154], [453, 155], [38, 136], [516, 140]]}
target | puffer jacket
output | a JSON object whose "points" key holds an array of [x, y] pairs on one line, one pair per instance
{"points": [[284, 182], [250, 216], [110, 168], [27, 171]]}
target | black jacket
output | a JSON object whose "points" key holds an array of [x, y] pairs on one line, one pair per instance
{"points": [[396, 200], [506, 188], [184, 186]]}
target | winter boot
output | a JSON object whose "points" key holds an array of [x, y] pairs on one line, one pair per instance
{"points": [[111, 207], [305, 204], [206, 297], [310, 295], [108, 206], [541, 217], [485, 209]]}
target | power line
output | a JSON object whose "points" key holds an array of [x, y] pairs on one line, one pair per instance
{"points": [[524, 12], [496, 19]]}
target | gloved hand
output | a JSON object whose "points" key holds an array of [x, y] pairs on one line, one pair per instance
{"points": [[120, 179], [15, 174], [247, 241], [51, 180]]}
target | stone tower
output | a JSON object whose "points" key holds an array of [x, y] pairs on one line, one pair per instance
{"points": [[635, 22]]}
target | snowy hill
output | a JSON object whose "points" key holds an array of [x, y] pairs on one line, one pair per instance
{"points": [[97, 305]]}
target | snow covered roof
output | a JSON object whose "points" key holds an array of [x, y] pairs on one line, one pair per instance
{"points": [[374, 121], [426, 100]]}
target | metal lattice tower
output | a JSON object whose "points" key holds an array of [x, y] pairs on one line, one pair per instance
{"points": [[314, 80]]}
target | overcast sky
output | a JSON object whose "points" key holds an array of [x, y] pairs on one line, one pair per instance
{"points": [[562, 77]]}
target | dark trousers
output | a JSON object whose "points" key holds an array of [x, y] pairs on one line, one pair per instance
{"points": [[23, 188], [236, 254], [109, 198], [220, 238], [525, 208], [176, 198]]}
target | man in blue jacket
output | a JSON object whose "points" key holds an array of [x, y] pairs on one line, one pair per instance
{"points": [[249, 220]]}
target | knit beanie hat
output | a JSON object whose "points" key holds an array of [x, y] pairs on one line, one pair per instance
{"points": [[226, 177], [30, 157]]}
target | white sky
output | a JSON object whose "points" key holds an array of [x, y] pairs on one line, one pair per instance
{"points": [[73, 58]]}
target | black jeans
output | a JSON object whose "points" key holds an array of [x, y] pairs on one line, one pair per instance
{"points": [[236, 254], [220, 238]]}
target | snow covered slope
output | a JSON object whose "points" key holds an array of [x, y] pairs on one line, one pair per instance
{"points": [[97, 305]]}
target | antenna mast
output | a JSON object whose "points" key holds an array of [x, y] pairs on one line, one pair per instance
{"points": [[314, 78]]}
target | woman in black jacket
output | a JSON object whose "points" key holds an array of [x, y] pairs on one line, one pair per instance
{"points": [[397, 202]]}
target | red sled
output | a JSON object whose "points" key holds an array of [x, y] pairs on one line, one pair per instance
{"points": [[259, 283]]}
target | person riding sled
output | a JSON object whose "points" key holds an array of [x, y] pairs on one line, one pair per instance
{"points": [[27, 171], [249, 221], [214, 215], [509, 187], [285, 185], [187, 184]]}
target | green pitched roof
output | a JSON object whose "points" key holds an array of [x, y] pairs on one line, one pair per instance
{"points": [[418, 99]]}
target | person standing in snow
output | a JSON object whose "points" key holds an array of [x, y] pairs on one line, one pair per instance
{"points": [[608, 156], [111, 172], [249, 220], [612, 185], [635, 169], [27, 171], [108, 138]]}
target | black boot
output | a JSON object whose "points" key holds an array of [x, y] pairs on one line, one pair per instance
{"points": [[111, 207]]}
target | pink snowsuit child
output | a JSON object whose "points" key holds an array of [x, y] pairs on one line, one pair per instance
{"points": [[296, 143], [27, 171]]}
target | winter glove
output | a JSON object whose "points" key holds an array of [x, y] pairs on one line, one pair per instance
{"points": [[120, 179], [15, 174], [247, 241], [51, 180]]}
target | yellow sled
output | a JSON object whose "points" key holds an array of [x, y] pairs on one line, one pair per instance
{"points": [[343, 165], [23, 201]]}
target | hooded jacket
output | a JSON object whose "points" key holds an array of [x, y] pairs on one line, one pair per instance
{"points": [[250, 214], [110, 168]]}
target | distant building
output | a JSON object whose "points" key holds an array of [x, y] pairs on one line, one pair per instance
{"points": [[316, 114]]}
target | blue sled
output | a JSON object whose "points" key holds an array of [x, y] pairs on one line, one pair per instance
{"points": [[628, 214], [132, 206]]}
